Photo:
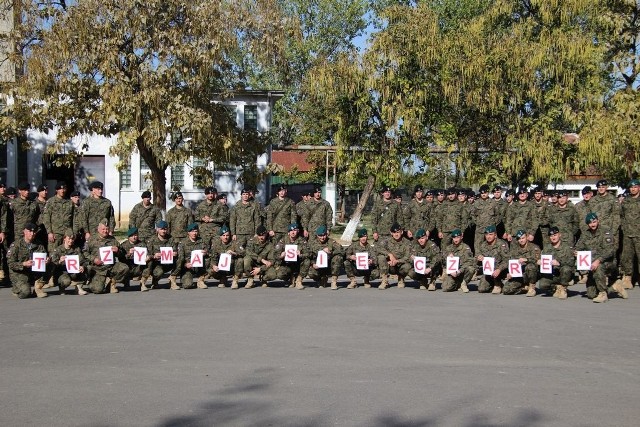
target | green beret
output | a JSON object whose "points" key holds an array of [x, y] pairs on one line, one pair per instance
{"points": [[457, 232], [224, 229], [362, 232], [520, 233], [490, 229], [590, 217], [132, 231], [192, 226], [320, 231], [634, 182], [421, 233]]}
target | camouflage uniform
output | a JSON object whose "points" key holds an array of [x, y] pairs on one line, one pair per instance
{"points": [[530, 252], [301, 213], [567, 220], [542, 215], [521, 216], [57, 218], [24, 211], [484, 212], [449, 218], [350, 268], [299, 268], [245, 219], [601, 244], [126, 256], [255, 253], [99, 273], [467, 266], [583, 207], [209, 230], [608, 210], [319, 212], [499, 250], [400, 250], [184, 257], [280, 213], [563, 273], [60, 275], [336, 259], [178, 218], [94, 209], [630, 223], [144, 218], [237, 265], [22, 278], [40, 210], [431, 251]]}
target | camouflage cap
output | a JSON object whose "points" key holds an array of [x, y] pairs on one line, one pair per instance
{"points": [[590, 217]]}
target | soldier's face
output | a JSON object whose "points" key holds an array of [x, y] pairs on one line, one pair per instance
{"points": [[29, 235], [261, 238], [96, 192], [593, 225], [397, 235], [223, 201], [193, 235], [245, 197], [522, 241], [225, 238], [602, 190], [293, 233], [457, 240], [563, 200], [386, 195], [210, 196], [554, 238], [363, 240], [484, 195], [430, 197], [522, 196], [323, 238], [419, 194], [497, 194], [634, 190], [451, 197], [75, 199], [179, 200], [68, 241], [103, 230], [146, 201], [162, 232], [282, 193], [490, 237], [318, 195], [510, 198], [462, 197], [42, 194], [422, 240], [538, 195], [61, 192], [440, 197], [587, 196], [133, 238], [23, 193]]}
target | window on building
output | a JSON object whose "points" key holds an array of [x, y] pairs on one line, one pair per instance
{"points": [[201, 176], [233, 112], [125, 177], [3, 164], [250, 117], [145, 175], [177, 177]]}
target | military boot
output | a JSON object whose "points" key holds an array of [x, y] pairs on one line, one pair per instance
{"points": [[384, 283], [424, 282], [49, 284], [143, 284], [432, 286], [292, 282], [79, 286], [334, 282], [234, 282], [38, 289], [602, 297], [113, 289], [174, 284], [1, 274], [249, 283], [619, 289], [352, 283], [200, 283], [531, 292], [562, 292], [323, 282], [223, 283], [496, 290], [626, 282], [400, 282], [299, 284], [367, 284], [463, 287]]}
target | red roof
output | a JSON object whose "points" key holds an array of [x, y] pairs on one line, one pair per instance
{"points": [[288, 159]]}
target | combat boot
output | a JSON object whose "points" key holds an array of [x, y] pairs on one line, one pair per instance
{"points": [[38, 289], [626, 282], [79, 286], [531, 292], [223, 283], [249, 283], [496, 290], [562, 292], [234, 282], [299, 284], [400, 282], [49, 284], [323, 282], [292, 282], [1, 274], [367, 284], [424, 282], [352, 283], [334, 282], [602, 297], [384, 283], [143, 284], [617, 287], [432, 286], [113, 289], [200, 283], [463, 287], [174, 284]]}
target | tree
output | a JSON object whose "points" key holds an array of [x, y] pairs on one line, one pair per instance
{"points": [[146, 71]]}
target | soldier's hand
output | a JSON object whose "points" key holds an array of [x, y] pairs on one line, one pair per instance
{"points": [[496, 273], [272, 233], [595, 264], [480, 258], [1, 237], [87, 236], [28, 263], [427, 271], [156, 255], [522, 260], [114, 249], [440, 235], [234, 237], [255, 271], [51, 237], [554, 262], [97, 261]]}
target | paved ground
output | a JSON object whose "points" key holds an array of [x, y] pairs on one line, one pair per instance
{"points": [[278, 357]]}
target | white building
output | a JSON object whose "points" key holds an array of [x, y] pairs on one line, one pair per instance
{"points": [[253, 111]]}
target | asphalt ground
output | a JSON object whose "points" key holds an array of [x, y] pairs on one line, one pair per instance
{"points": [[316, 357]]}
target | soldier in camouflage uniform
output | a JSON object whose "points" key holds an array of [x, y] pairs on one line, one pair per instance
{"points": [[501, 209], [301, 210], [127, 256], [281, 212], [20, 261], [299, 269], [162, 239], [184, 265], [74, 198], [606, 206], [41, 202], [61, 277], [209, 216], [178, 217], [244, 219], [542, 216], [521, 215], [467, 266], [499, 250], [101, 274], [335, 254], [24, 210], [360, 246], [224, 244], [393, 257], [94, 208], [564, 216], [384, 213], [484, 213], [319, 213], [58, 216], [528, 254], [423, 247], [260, 260], [630, 221], [417, 214], [224, 211], [584, 207], [449, 217], [599, 241], [144, 217], [563, 263]]}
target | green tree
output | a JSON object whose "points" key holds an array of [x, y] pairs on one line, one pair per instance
{"points": [[146, 71]]}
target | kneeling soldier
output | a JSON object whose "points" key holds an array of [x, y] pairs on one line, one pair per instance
{"points": [[128, 255], [563, 265], [299, 268], [368, 270], [225, 245], [335, 258], [259, 260], [423, 247], [20, 262], [466, 267], [528, 255], [497, 249], [162, 239], [100, 272], [192, 259], [393, 257], [61, 276]]}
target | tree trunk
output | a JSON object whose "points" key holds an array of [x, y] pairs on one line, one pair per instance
{"points": [[347, 235], [158, 177]]}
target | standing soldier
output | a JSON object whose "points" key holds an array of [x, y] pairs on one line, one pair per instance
{"points": [[162, 239], [127, 256], [41, 202], [224, 244], [224, 211], [528, 254], [103, 275], [564, 216], [384, 214], [542, 216], [24, 210], [188, 270], [94, 208], [58, 216], [606, 206], [449, 217], [563, 265], [466, 267], [319, 213], [629, 220], [423, 247], [244, 219], [370, 273], [521, 215], [178, 217], [298, 269], [484, 213], [335, 258], [499, 250], [59, 255], [74, 198], [20, 260], [281, 212], [501, 209], [209, 216], [599, 241], [417, 213], [144, 216], [301, 210]]}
